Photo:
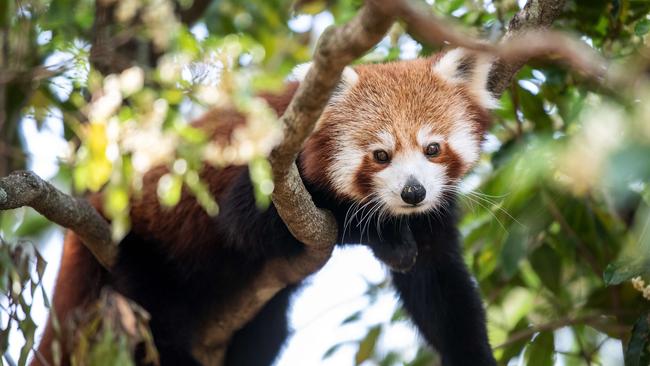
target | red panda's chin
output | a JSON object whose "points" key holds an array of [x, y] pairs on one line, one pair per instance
{"points": [[407, 210]]}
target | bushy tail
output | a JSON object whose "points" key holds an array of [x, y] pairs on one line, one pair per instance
{"points": [[78, 284]]}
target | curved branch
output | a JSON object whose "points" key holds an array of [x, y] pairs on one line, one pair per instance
{"points": [[536, 14], [337, 47], [24, 188], [527, 37]]}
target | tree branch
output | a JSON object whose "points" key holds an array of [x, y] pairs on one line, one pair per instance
{"points": [[517, 45], [24, 188], [527, 37], [537, 15], [337, 48]]}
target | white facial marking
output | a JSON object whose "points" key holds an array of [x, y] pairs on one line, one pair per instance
{"points": [[346, 162], [386, 141], [426, 136], [404, 166], [464, 143]]}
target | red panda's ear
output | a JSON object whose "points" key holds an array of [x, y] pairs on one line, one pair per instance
{"points": [[349, 78], [469, 68]]}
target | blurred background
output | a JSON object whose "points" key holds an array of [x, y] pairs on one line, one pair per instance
{"points": [[556, 217]]}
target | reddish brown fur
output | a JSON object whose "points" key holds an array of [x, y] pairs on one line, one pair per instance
{"points": [[185, 229], [401, 98]]}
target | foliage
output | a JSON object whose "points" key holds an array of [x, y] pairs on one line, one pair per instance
{"points": [[555, 217], [110, 333], [18, 286]]}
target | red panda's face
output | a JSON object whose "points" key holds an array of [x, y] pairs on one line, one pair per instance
{"points": [[399, 135]]}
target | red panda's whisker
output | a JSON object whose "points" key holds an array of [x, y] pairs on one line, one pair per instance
{"points": [[486, 208], [355, 208]]}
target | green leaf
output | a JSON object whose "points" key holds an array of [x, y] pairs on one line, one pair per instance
{"points": [[398, 315], [513, 349], [330, 351], [514, 250], [260, 173], [367, 345], [547, 264], [4, 339], [638, 348], [32, 225], [623, 270], [4, 12], [642, 27], [533, 107], [352, 318], [425, 357], [541, 350], [169, 189]]}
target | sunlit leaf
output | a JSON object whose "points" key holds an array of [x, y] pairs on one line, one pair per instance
{"points": [[367, 345], [540, 352]]}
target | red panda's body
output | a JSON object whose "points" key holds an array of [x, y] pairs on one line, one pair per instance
{"points": [[384, 158]]}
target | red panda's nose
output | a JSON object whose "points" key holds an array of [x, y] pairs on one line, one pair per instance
{"points": [[413, 192]]}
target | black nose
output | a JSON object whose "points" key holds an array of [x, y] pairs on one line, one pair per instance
{"points": [[413, 192]]}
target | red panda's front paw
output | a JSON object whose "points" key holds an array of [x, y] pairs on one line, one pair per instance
{"points": [[399, 251]]}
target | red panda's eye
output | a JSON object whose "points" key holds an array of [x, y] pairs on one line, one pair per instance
{"points": [[432, 150], [381, 156]]}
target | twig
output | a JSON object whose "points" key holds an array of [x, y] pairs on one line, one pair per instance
{"points": [[553, 325], [24, 188]]}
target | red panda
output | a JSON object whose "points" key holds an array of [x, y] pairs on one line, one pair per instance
{"points": [[385, 157]]}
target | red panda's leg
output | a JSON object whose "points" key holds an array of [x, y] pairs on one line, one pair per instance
{"points": [[260, 341], [78, 284], [442, 299]]}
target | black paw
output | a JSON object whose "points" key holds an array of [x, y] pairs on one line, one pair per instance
{"points": [[398, 251]]}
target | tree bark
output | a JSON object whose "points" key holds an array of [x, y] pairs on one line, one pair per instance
{"points": [[536, 15], [24, 188]]}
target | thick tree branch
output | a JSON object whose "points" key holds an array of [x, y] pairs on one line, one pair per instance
{"points": [[24, 188], [536, 15]]}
